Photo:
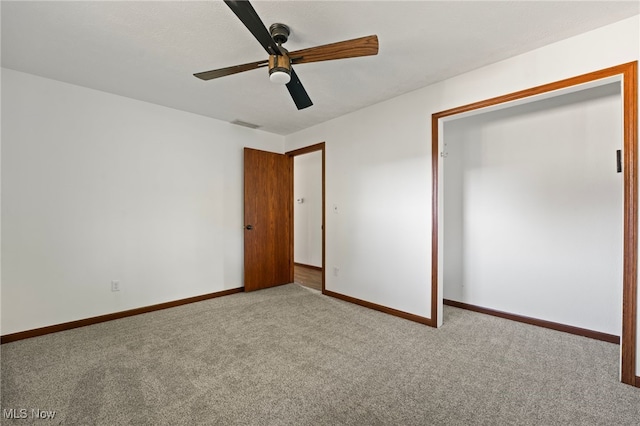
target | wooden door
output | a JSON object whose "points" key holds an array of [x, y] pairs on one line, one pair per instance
{"points": [[268, 215]]}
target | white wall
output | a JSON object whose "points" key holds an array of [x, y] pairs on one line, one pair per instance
{"points": [[533, 210], [307, 215], [97, 187], [378, 165], [1, 201]]}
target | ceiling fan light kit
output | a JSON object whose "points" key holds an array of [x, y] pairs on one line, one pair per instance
{"points": [[280, 60], [279, 77], [280, 68]]}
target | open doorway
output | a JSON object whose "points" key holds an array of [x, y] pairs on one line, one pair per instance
{"points": [[308, 216], [626, 76], [533, 208]]}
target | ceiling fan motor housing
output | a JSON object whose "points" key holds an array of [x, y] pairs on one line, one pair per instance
{"points": [[279, 33]]}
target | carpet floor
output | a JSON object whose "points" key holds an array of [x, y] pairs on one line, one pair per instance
{"points": [[291, 356]]}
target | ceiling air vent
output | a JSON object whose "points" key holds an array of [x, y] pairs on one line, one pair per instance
{"points": [[245, 124]]}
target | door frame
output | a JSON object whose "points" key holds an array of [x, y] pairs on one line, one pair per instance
{"points": [[627, 75], [291, 154]]}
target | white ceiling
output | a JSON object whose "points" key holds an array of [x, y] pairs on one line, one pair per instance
{"points": [[149, 50]]}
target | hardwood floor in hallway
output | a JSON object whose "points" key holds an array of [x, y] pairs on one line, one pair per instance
{"points": [[308, 276]]}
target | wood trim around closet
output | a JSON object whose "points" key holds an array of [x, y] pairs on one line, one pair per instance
{"points": [[629, 74]]}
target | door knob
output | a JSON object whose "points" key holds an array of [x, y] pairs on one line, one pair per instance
{"points": [[248, 227]]}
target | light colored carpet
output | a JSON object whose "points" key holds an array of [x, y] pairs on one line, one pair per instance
{"points": [[290, 356]]}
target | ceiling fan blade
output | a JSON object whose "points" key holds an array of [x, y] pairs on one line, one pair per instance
{"points": [[299, 95], [209, 75], [363, 46], [249, 17]]}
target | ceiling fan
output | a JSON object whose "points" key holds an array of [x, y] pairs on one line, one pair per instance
{"points": [[280, 60]]}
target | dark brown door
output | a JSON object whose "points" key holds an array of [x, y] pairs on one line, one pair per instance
{"points": [[268, 214]]}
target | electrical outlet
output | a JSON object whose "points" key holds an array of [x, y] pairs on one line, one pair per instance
{"points": [[336, 270], [115, 285]]}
